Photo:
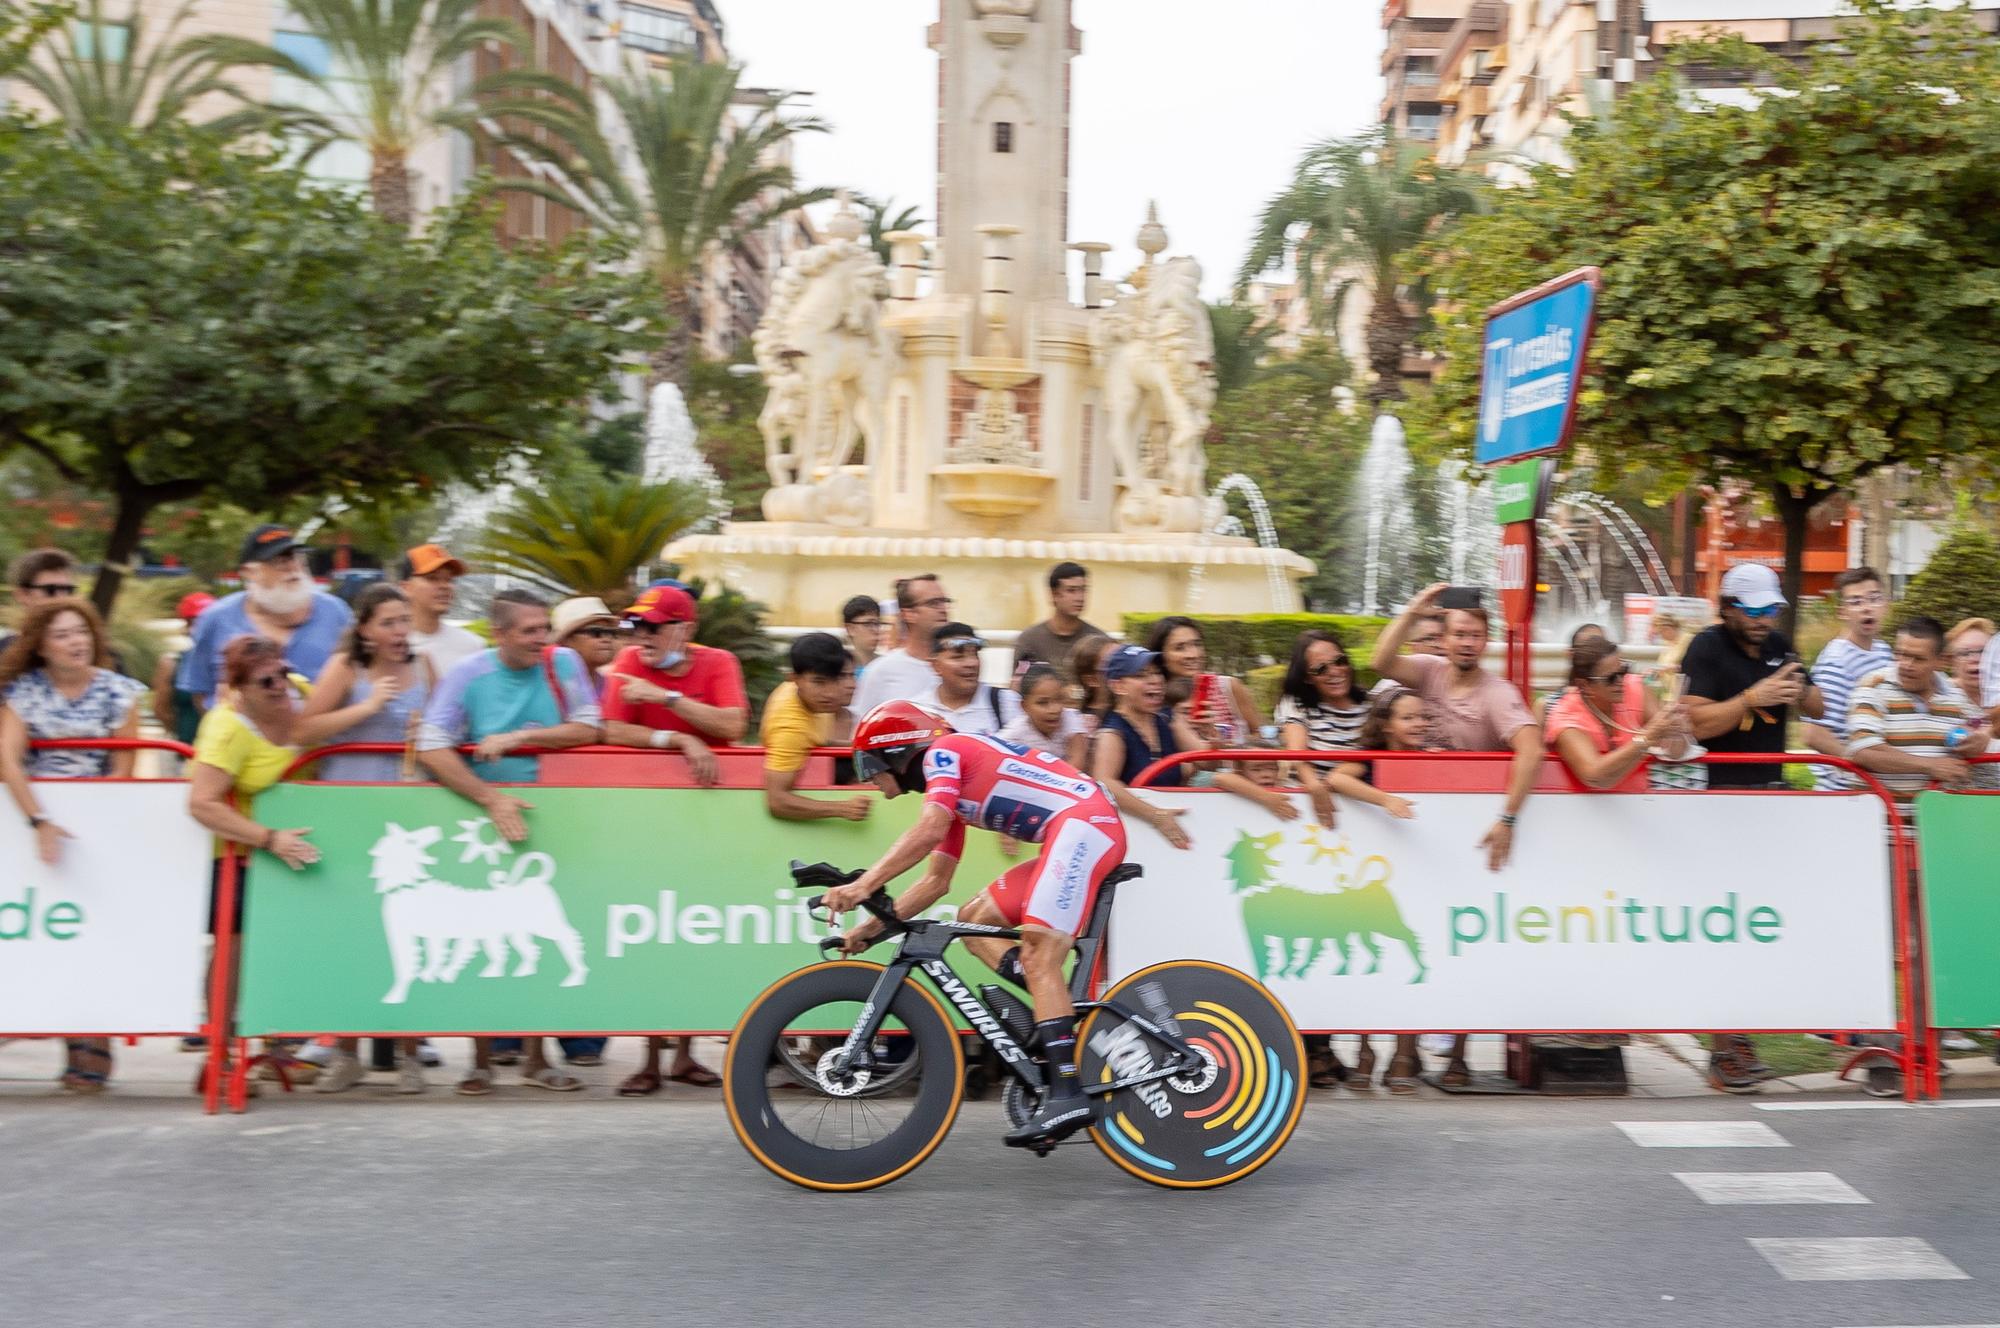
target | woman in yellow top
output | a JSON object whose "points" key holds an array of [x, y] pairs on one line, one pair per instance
{"points": [[243, 745]]}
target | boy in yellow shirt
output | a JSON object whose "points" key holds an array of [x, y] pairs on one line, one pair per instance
{"points": [[800, 716]]}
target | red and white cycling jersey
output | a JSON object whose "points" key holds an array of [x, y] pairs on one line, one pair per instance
{"points": [[1006, 788]]}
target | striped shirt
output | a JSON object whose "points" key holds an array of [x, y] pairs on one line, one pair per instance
{"points": [[1884, 713], [1328, 728], [1837, 672]]}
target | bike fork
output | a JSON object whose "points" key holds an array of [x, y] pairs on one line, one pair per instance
{"points": [[857, 1052]]}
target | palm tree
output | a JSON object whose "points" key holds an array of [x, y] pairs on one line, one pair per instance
{"points": [[1241, 343], [704, 172], [591, 538], [100, 75], [883, 219], [22, 27], [1354, 216], [387, 59]]}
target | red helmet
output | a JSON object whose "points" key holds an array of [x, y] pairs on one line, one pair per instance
{"points": [[892, 735], [192, 605]]}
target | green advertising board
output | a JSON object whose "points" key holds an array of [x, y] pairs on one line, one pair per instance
{"points": [[625, 910], [1517, 489], [1956, 838]]}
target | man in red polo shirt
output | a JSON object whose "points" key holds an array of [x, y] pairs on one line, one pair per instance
{"points": [[668, 692]]}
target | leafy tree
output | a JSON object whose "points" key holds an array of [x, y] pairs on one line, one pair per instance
{"points": [[1285, 431], [592, 537], [1962, 579], [724, 407], [1798, 291], [95, 84], [387, 62], [884, 218], [1355, 215], [702, 172], [180, 323], [1241, 343], [22, 27]]}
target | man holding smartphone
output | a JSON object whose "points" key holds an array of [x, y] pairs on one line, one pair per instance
{"points": [[1476, 711], [1743, 679]]}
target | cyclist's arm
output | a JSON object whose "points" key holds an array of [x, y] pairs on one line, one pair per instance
{"points": [[916, 844]]}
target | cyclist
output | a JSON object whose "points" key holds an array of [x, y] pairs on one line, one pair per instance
{"points": [[976, 779]]}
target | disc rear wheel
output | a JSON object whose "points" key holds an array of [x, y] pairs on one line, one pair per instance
{"points": [[803, 1113], [1219, 1119]]}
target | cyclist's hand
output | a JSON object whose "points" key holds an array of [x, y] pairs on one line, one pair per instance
{"points": [[844, 897], [852, 944]]}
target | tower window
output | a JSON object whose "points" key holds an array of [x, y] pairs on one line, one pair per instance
{"points": [[1003, 136]]}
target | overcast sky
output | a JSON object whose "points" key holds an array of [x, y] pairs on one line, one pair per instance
{"points": [[1202, 105]]}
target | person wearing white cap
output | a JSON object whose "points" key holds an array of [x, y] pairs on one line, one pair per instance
{"points": [[587, 626], [1742, 680]]}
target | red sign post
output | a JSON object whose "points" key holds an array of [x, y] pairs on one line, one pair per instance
{"points": [[1517, 595]]}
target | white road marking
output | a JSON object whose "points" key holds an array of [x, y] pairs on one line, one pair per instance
{"points": [[1702, 1134], [1770, 1187], [275, 1129], [1878, 1106], [1858, 1259]]}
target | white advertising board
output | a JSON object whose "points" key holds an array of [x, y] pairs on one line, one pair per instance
{"points": [[1617, 912], [112, 938]]}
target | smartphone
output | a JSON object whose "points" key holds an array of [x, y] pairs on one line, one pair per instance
{"points": [[1460, 597]]}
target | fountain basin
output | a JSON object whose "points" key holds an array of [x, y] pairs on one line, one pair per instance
{"points": [[993, 491], [804, 573]]}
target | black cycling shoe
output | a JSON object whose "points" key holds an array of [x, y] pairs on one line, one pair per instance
{"points": [[1056, 1120]]}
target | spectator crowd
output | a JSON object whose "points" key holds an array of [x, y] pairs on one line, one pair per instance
{"points": [[281, 667]]}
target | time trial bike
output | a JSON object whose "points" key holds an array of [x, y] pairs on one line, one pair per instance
{"points": [[846, 1075]]}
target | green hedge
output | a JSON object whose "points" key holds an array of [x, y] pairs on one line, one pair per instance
{"points": [[1239, 644]]}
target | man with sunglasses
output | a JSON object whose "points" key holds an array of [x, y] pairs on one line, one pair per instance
{"points": [[40, 575], [968, 705], [1742, 681], [665, 691], [905, 674]]}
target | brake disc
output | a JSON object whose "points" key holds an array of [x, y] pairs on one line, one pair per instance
{"points": [[835, 1081]]}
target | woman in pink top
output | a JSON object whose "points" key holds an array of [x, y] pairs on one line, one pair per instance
{"points": [[1604, 724]]}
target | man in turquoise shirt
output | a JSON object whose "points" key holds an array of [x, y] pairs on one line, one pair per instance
{"points": [[518, 694]]}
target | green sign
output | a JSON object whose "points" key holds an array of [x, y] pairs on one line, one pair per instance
{"points": [[1516, 490], [625, 910], [1956, 833]]}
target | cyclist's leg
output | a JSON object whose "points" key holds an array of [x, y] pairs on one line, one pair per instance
{"points": [[1076, 857], [987, 909]]}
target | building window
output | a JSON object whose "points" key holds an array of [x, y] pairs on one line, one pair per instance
{"points": [[1423, 125], [1003, 136], [658, 31], [117, 37], [308, 51], [1420, 71]]}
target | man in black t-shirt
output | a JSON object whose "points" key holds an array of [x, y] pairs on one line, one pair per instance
{"points": [[1743, 679]]}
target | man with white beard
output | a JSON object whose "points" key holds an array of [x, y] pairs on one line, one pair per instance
{"points": [[278, 601]]}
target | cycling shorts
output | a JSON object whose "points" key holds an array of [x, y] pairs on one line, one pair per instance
{"points": [[1057, 889]]}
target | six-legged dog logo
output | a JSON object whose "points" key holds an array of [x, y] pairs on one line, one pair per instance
{"points": [[434, 928]]}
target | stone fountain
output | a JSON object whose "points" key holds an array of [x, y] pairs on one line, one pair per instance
{"points": [[956, 412]]}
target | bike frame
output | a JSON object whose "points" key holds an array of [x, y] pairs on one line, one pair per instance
{"points": [[924, 943]]}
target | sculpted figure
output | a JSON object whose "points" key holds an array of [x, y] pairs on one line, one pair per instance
{"points": [[1155, 346]]}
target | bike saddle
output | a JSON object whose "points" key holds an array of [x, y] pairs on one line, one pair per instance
{"points": [[1123, 872]]}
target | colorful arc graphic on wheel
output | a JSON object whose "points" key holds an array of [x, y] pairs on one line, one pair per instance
{"points": [[1256, 1092]]}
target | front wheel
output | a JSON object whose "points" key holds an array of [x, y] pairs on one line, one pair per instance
{"points": [[1221, 1118], [831, 1131]]}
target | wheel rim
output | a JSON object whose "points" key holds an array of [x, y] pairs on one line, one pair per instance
{"points": [[825, 1108]]}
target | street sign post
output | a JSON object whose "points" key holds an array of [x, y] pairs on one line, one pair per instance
{"points": [[1531, 368]]}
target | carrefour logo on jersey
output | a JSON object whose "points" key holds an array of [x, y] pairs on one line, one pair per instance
{"points": [[1048, 779]]}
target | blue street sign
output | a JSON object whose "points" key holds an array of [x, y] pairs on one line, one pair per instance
{"points": [[1532, 364]]}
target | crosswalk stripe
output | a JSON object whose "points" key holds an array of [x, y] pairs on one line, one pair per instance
{"points": [[1858, 1259], [1770, 1187], [1702, 1134]]}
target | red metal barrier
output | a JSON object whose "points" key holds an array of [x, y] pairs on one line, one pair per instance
{"points": [[619, 767], [1467, 772]]}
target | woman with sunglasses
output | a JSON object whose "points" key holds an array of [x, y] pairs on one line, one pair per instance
{"points": [[245, 743], [55, 683], [1321, 708], [1607, 721]]}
